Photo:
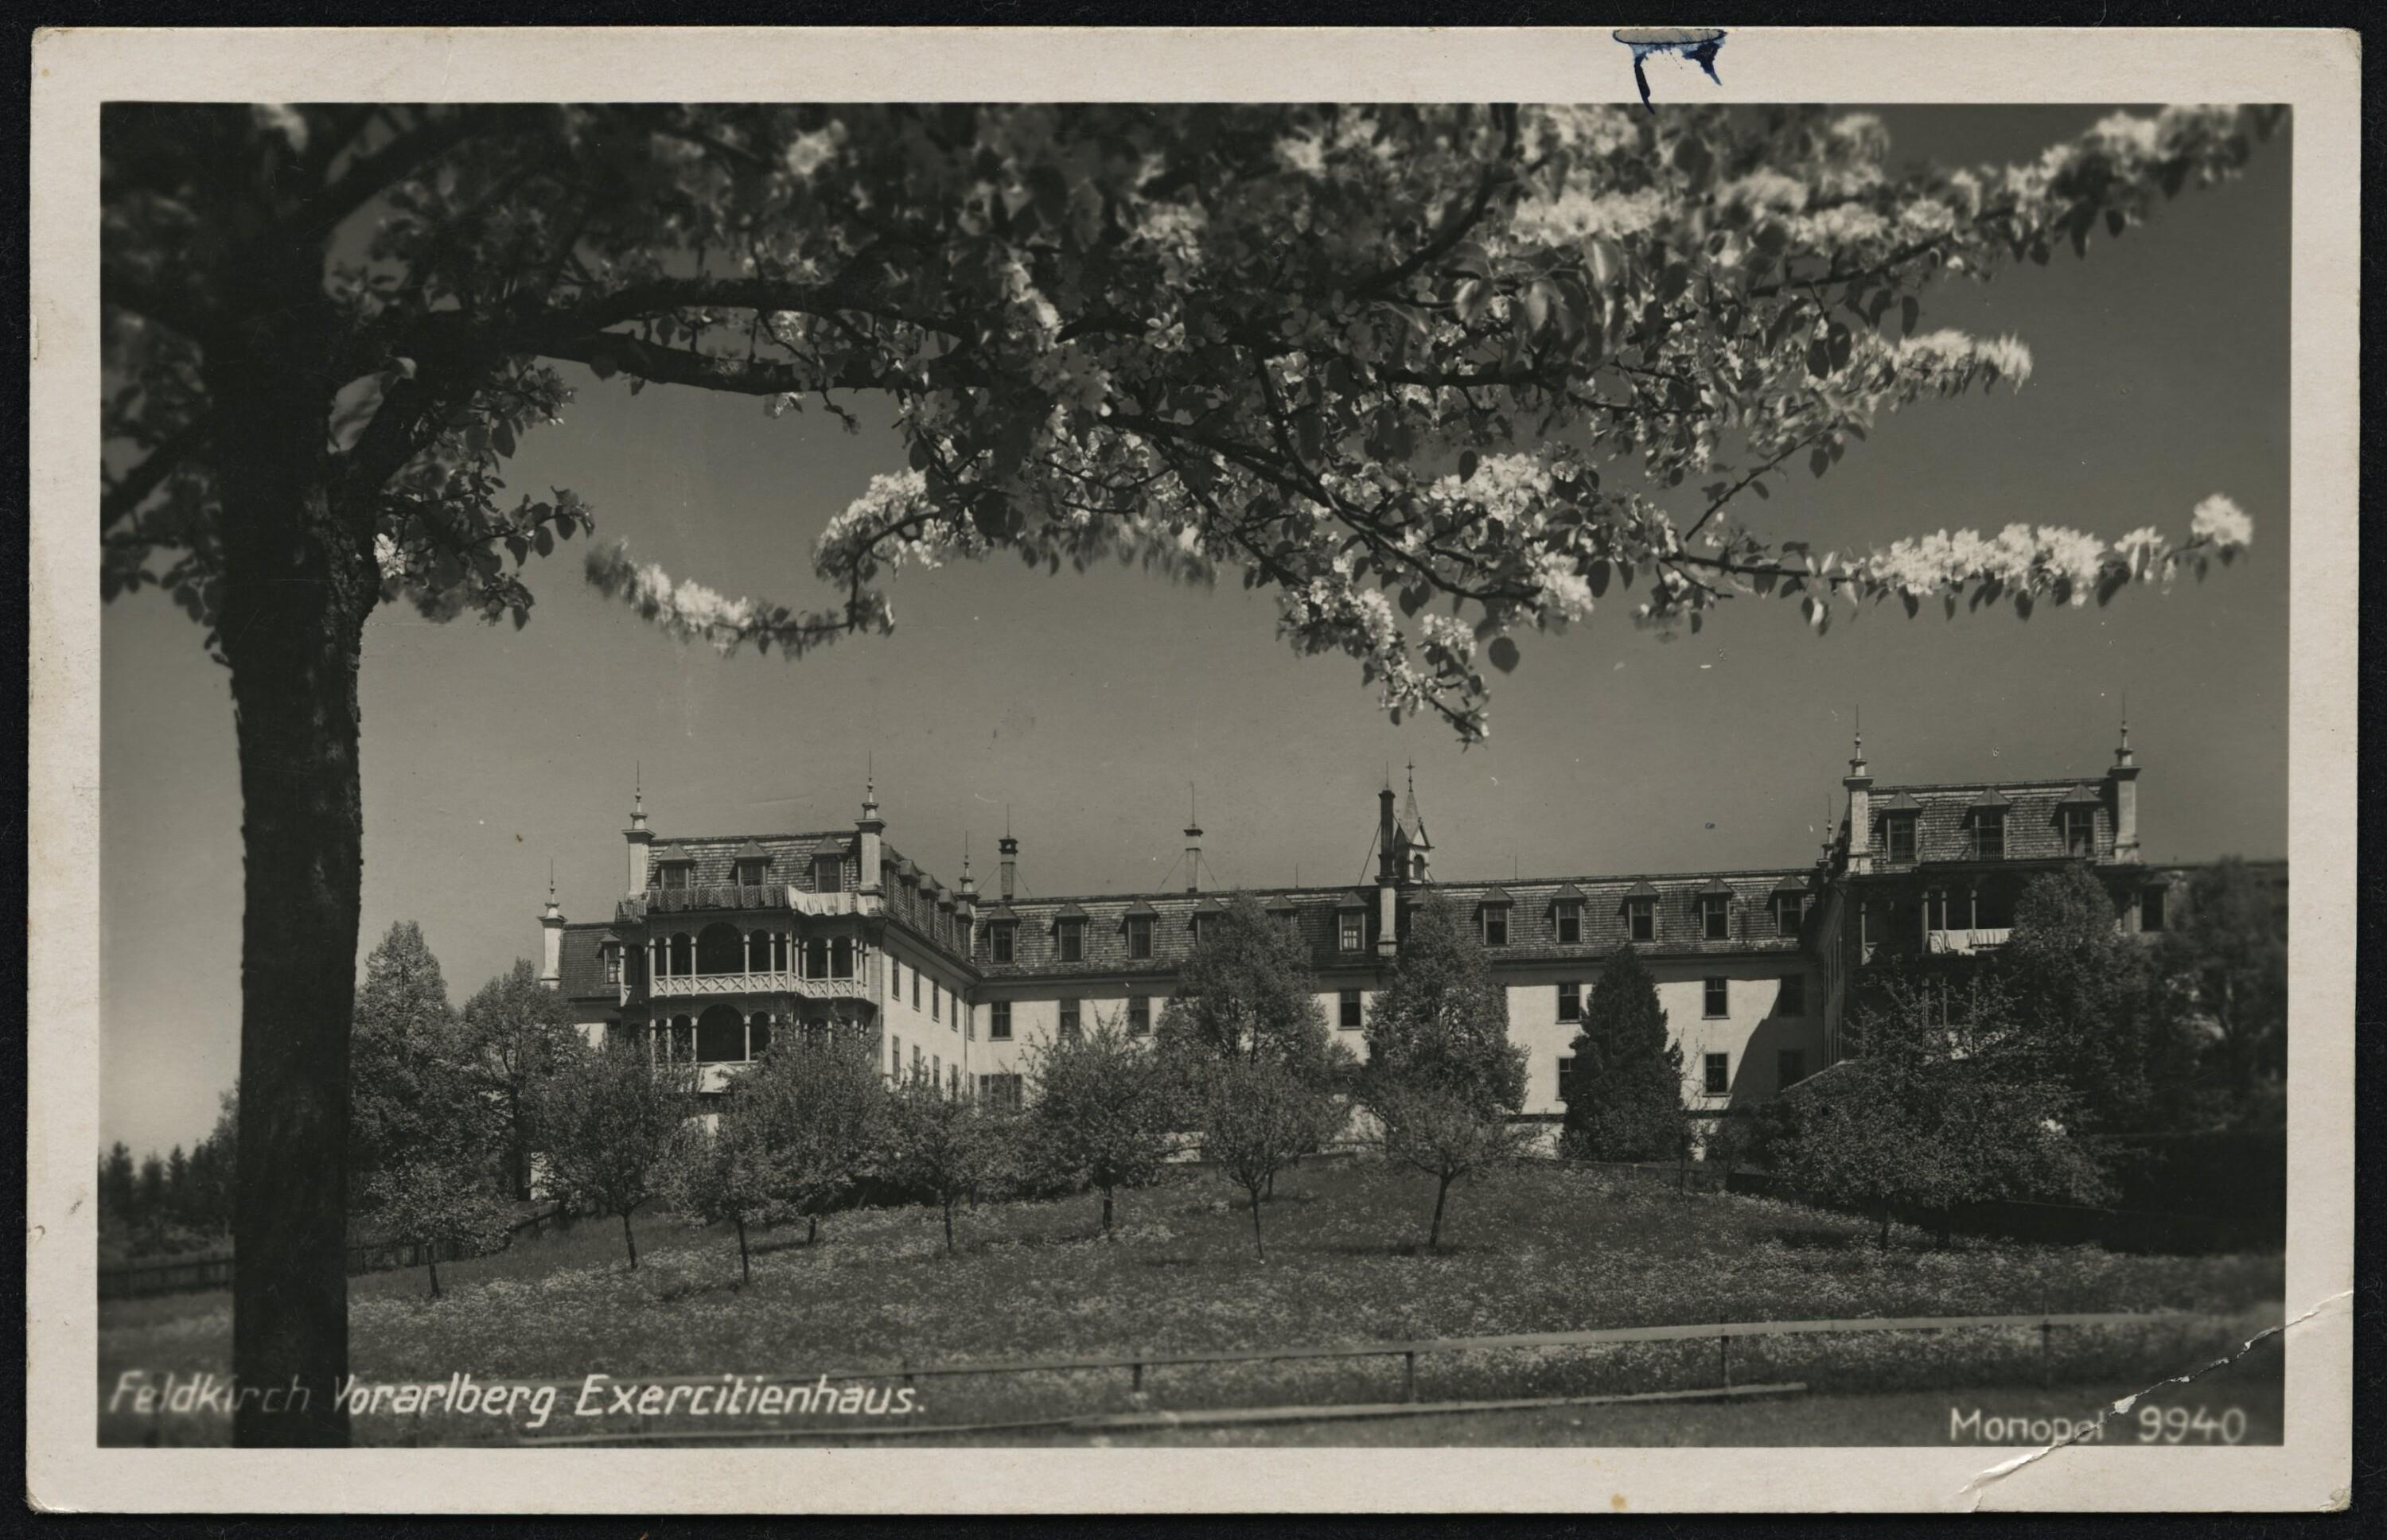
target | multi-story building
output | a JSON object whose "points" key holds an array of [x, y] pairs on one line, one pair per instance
{"points": [[721, 945]]}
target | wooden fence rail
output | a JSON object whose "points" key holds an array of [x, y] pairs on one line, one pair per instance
{"points": [[144, 1279]]}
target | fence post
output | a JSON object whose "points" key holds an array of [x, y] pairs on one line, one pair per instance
{"points": [[2046, 1353], [1138, 1386], [1408, 1375], [1723, 1355]]}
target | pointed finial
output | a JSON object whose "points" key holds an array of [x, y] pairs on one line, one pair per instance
{"points": [[552, 912]]}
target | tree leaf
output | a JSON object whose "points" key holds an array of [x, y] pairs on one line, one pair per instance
{"points": [[1910, 311], [1504, 654], [1468, 461]]}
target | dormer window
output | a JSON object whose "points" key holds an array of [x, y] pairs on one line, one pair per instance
{"points": [[2079, 825], [612, 957], [1201, 924], [1070, 938], [1139, 936], [1985, 833], [1567, 914], [1789, 912], [1351, 930], [1641, 918], [1898, 837], [1495, 925], [751, 873], [829, 874], [1715, 917], [999, 943], [674, 876]]}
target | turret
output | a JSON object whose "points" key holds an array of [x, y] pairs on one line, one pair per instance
{"points": [[2125, 776], [550, 949], [1859, 781], [871, 826], [640, 838]]}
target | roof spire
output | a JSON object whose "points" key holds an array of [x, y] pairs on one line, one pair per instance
{"points": [[552, 912], [637, 795], [869, 785], [1857, 759], [2122, 755]]}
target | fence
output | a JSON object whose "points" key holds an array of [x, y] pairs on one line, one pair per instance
{"points": [[1138, 1366], [141, 1280]]}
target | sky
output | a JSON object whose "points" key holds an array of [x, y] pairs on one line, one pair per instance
{"points": [[1085, 708]]}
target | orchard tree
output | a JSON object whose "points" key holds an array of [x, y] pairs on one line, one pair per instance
{"points": [[612, 1120], [1624, 1092], [1377, 358], [942, 1146], [437, 1198], [825, 1110], [1246, 992], [1259, 1115], [734, 1171], [1103, 1107], [1440, 1078], [518, 1034]]}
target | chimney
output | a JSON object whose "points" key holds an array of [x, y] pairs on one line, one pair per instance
{"points": [[1859, 781], [1387, 861], [640, 839], [872, 826], [1010, 849], [2125, 776], [550, 950], [1192, 859]]}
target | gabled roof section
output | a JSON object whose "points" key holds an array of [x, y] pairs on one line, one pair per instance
{"points": [[1792, 883], [1902, 801], [1566, 892], [1140, 907], [2080, 794], [753, 850], [1493, 898], [1713, 886], [1990, 796]]}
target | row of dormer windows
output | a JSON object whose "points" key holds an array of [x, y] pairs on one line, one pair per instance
{"points": [[1984, 833]]}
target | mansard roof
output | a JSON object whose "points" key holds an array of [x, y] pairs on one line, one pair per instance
{"points": [[2033, 825], [583, 966]]}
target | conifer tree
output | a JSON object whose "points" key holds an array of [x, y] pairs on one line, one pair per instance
{"points": [[1624, 1092]]}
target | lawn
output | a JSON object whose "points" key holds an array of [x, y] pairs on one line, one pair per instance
{"points": [[1532, 1250]]}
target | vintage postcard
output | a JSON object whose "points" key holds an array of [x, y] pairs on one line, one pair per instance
{"points": [[1230, 770]]}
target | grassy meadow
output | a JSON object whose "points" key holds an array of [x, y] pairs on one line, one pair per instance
{"points": [[1536, 1249]]}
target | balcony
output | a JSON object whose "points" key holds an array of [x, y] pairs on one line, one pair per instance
{"points": [[1967, 942], [746, 898], [715, 985]]}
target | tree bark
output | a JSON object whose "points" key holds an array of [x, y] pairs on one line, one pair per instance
{"points": [[297, 581], [812, 1234], [1257, 1244], [629, 1240], [1106, 1211], [1885, 1226]]}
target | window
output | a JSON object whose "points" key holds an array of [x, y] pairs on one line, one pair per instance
{"points": [[674, 876], [1351, 930], [1570, 1002], [1789, 1069], [829, 874], [1566, 1077], [1073, 941], [998, 944], [895, 1057], [961, 934], [2079, 830], [1139, 1016], [1495, 925], [683, 955], [999, 1091], [1641, 918], [751, 873], [1569, 922], [612, 956], [1985, 835], [953, 1083], [1201, 927], [895, 979], [1791, 1000], [1718, 1077], [1347, 1011], [1139, 935], [1717, 996], [915, 1061], [915, 989], [1715, 917], [1069, 1029], [936, 1001], [816, 956], [998, 1021], [720, 1036], [1898, 837], [841, 957], [1292, 919], [2151, 909], [1789, 909]]}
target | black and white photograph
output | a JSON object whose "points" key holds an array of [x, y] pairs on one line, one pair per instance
{"points": [[1088, 774]]}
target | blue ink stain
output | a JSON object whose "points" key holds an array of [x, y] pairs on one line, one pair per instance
{"points": [[1699, 44]]}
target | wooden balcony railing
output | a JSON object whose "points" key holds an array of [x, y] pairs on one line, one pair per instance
{"points": [[680, 985]]}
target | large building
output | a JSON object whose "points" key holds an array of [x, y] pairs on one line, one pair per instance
{"points": [[720, 944]]}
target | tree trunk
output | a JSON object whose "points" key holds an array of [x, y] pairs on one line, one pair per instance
{"points": [[745, 1266], [811, 1233], [1885, 1226], [1271, 1187], [1106, 1211], [1441, 1197], [629, 1240], [1257, 1244], [434, 1274], [298, 583]]}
